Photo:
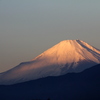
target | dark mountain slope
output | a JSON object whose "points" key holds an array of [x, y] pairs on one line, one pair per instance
{"points": [[73, 86]]}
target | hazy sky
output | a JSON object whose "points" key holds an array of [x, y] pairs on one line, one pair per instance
{"points": [[29, 27]]}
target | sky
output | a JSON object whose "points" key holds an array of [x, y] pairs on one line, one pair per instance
{"points": [[29, 27]]}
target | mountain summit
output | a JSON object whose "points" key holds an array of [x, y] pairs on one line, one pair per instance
{"points": [[65, 57]]}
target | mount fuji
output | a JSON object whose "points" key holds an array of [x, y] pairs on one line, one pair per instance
{"points": [[66, 57]]}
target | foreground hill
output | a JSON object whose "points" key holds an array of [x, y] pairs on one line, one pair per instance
{"points": [[65, 57], [74, 86]]}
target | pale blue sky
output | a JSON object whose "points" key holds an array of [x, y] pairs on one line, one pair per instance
{"points": [[29, 27]]}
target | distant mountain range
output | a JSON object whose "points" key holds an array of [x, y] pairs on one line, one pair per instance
{"points": [[66, 57], [73, 86]]}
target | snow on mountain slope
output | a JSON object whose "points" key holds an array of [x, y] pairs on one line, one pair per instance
{"points": [[67, 56]]}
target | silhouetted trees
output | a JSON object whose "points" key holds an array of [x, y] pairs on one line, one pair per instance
{"points": [[41, 99]]}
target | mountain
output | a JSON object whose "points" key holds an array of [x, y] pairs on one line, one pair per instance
{"points": [[72, 86], [65, 57]]}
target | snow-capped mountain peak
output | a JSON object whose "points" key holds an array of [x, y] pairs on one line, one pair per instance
{"points": [[70, 50], [66, 56]]}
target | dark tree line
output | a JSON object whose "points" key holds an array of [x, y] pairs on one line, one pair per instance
{"points": [[41, 99]]}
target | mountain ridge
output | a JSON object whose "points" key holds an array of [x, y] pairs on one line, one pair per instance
{"points": [[72, 86]]}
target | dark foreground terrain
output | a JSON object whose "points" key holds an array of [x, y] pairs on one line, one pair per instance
{"points": [[73, 86]]}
